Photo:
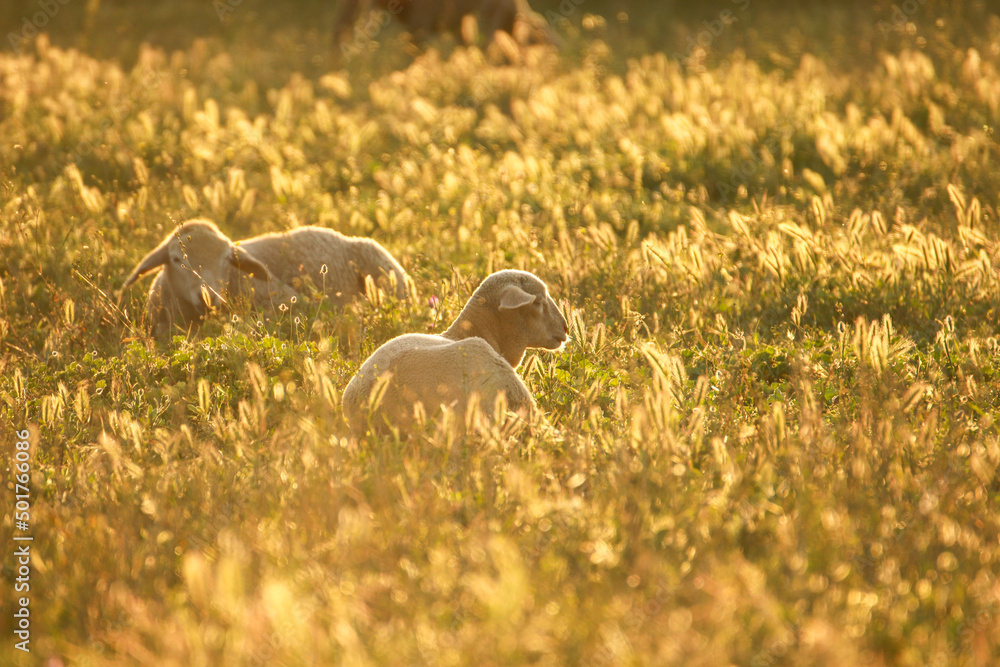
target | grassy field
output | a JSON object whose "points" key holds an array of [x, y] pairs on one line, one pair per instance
{"points": [[772, 438]]}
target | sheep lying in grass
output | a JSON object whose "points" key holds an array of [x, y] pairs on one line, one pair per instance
{"points": [[509, 312], [423, 17], [202, 270]]}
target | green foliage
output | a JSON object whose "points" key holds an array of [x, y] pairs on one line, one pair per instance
{"points": [[771, 439]]}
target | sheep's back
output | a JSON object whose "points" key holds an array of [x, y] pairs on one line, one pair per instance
{"points": [[301, 254], [335, 264], [434, 371]]}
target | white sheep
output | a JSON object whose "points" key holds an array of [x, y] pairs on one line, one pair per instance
{"points": [[203, 270], [509, 312]]}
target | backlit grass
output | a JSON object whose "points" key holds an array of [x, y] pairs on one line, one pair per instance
{"points": [[772, 438]]}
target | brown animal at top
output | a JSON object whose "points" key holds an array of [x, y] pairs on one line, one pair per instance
{"points": [[424, 17]]}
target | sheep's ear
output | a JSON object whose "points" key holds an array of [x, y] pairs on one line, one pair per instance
{"points": [[247, 263], [156, 258], [513, 297]]}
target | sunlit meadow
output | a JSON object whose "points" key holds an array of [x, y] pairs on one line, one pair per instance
{"points": [[772, 438]]}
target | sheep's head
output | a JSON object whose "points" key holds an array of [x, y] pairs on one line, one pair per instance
{"points": [[538, 322], [198, 262], [513, 311]]}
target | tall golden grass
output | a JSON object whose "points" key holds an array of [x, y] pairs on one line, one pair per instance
{"points": [[771, 440]]}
